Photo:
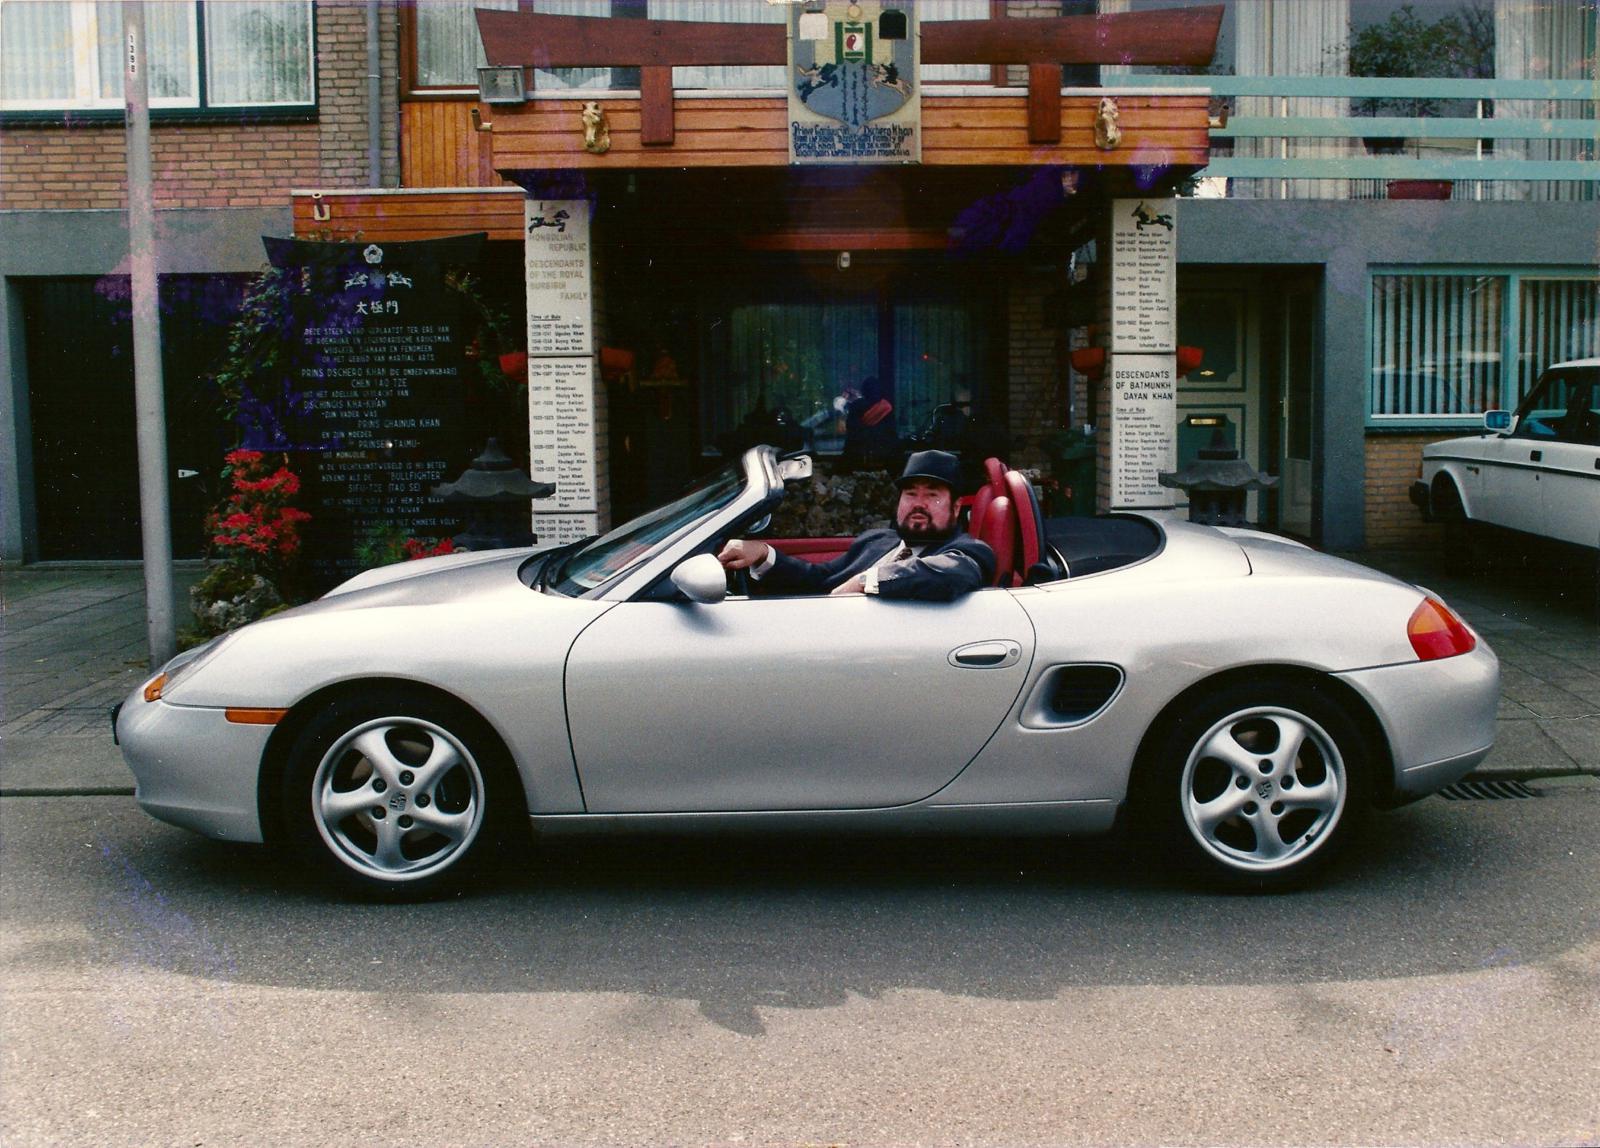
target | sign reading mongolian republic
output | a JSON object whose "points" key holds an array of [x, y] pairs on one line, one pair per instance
{"points": [[853, 75], [1144, 275], [562, 428]]}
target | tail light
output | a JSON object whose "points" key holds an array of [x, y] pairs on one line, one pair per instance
{"points": [[1435, 632]]}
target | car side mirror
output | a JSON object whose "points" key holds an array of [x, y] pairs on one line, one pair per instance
{"points": [[702, 579], [1497, 420]]}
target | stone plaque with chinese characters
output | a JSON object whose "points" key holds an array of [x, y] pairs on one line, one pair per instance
{"points": [[1144, 429], [560, 308], [373, 411], [1144, 275]]}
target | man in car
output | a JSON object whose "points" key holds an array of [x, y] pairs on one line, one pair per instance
{"points": [[924, 557]]}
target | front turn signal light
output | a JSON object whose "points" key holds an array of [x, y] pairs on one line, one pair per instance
{"points": [[1435, 632], [152, 692]]}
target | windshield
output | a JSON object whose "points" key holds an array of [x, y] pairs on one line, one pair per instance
{"points": [[1565, 406], [627, 545]]}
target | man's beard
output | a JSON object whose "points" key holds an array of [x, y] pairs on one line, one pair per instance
{"points": [[922, 534]]}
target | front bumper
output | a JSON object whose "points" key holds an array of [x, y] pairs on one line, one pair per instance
{"points": [[192, 767], [1439, 716]]}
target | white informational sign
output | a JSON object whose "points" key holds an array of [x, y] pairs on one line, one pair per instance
{"points": [[556, 249], [853, 75], [561, 431], [559, 529], [1144, 275], [1144, 429]]}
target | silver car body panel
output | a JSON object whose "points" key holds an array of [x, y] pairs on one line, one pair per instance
{"points": [[193, 767], [472, 630], [849, 711], [787, 703]]}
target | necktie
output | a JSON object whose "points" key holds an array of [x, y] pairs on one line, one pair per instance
{"points": [[902, 554]]}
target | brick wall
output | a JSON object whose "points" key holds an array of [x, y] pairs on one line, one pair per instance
{"points": [[1392, 522], [1017, 74], [83, 165], [1032, 369]]}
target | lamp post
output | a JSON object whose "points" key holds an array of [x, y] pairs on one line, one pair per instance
{"points": [[150, 415]]}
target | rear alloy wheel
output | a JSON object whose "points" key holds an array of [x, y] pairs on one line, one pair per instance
{"points": [[1262, 785], [392, 796]]}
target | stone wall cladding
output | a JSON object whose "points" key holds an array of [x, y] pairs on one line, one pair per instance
{"points": [[1392, 522], [83, 165]]}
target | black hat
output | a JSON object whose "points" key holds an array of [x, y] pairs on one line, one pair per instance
{"points": [[933, 465]]}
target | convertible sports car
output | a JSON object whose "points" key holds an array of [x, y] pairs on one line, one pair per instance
{"points": [[1243, 698]]}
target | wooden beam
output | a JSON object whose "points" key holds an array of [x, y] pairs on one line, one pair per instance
{"points": [[1186, 36], [656, 121], [1044, 103]]}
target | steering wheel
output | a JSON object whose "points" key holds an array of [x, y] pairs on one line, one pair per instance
{"points": [[739, 582]]}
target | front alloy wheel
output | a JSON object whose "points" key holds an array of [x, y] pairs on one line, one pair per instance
{"points": [[398, 798], [396, 792]]}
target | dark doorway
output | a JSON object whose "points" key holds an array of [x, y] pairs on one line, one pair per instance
{"points": [[80, 393]]}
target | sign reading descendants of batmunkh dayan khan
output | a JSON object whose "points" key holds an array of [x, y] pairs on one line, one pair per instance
{"points": [[1144, 422], [853, 82]]}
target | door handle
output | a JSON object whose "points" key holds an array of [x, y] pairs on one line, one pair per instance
{"points": [[994, 655]]}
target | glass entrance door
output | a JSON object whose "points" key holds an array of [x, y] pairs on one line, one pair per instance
{"points": [[1295, 404]]}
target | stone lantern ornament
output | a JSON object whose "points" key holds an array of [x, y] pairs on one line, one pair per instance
{"points": [[495, 496], [1217, 483]]}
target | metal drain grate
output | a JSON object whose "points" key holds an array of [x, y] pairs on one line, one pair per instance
{"points": [[1485, 791]]}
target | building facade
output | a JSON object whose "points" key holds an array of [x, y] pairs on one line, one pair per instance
{"points": [[1341, 325]]}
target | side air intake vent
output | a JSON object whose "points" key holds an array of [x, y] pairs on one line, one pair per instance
{"points": [[1071, 695]]}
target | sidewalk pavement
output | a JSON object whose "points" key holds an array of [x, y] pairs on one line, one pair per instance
{"points": [[72, 645]]}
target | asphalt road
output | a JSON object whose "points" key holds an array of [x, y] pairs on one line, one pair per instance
{"points": [[1441, 987]]}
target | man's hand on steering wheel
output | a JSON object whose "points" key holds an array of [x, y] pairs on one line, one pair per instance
{"points": [[737, 556], [742, 553]]}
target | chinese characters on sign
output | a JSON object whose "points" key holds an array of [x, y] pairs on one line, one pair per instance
{"points": [[378, 376], [853, 75], [562, 430]]}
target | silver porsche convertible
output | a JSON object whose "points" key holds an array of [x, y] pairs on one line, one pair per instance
{"points": [[1241, 699]]}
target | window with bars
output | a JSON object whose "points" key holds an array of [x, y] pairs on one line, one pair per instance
{"points": [[1445, 347], [65, 55]]}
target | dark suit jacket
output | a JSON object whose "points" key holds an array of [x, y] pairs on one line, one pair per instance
{"points": [[945, 570]]}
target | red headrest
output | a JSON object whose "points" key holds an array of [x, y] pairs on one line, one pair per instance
{"points": [[999, 530], [994, 483], [1029, 528]]}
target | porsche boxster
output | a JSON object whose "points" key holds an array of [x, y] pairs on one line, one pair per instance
{"points": [[1238, 697]]}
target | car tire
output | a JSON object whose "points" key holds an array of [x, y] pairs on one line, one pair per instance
{"points": [[1257, 785], [397, 793], [1459, 532]]}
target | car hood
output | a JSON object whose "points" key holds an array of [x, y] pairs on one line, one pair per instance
{"points": [[425, 582]]}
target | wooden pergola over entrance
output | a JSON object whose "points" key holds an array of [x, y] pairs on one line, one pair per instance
{"points": [[657, 127]]}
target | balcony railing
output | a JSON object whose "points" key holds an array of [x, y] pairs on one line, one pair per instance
{"points": [[1440, 147]]}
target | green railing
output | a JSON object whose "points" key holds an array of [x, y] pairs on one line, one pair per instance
{"points": [[1442, 146]]}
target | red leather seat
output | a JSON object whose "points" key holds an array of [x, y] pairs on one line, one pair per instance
{"points": [[994, 484], [998, 528], [1030, 524]]}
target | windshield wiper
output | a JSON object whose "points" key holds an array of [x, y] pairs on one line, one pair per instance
{"points": [[551, 572]]}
